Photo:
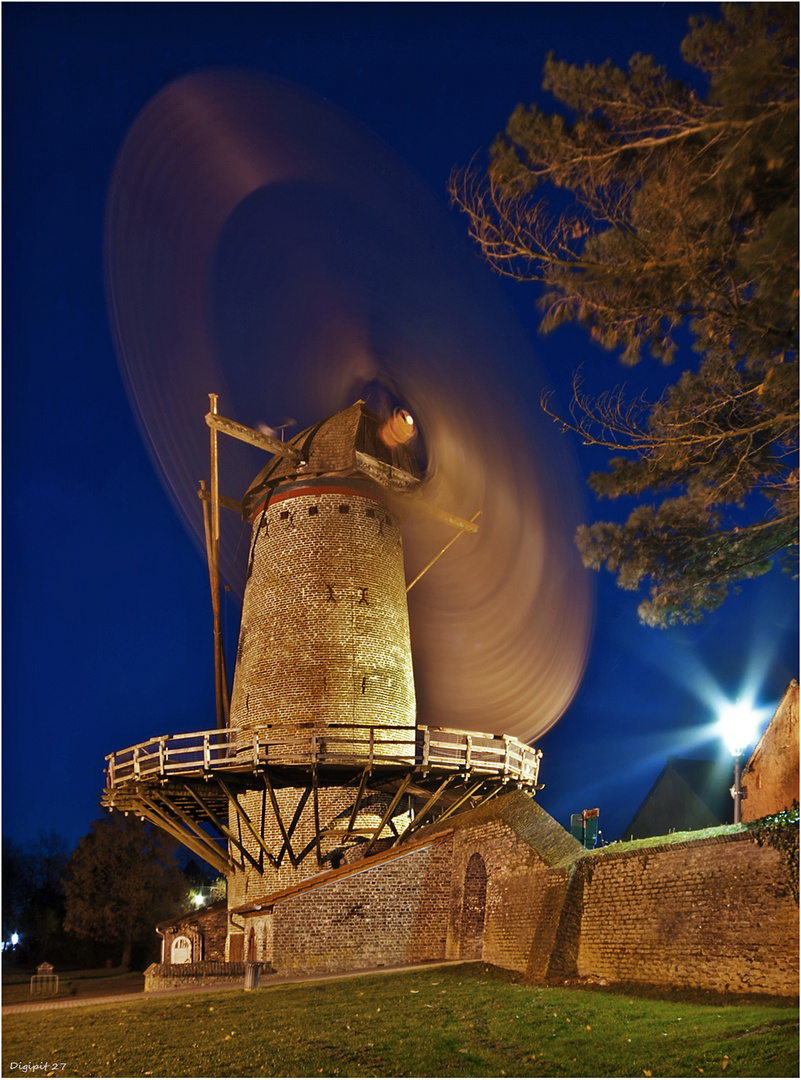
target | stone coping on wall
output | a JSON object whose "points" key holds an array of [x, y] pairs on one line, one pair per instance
{"points": [[348, 870], [535, 826], [655, 844]]}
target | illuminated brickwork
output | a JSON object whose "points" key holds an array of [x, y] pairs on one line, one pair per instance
{"points": [[324, 643], [297, 812], [712, 912]]}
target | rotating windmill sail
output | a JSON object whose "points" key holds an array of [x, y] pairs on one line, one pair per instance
{"points": [[261, 245]]}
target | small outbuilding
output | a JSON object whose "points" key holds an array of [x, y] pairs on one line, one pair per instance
{"points": [[195, 936]]}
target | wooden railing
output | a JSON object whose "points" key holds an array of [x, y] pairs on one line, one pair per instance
{"points": [[201, 753]]}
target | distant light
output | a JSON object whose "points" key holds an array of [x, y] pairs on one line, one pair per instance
{"points": [[14, 940], [197, 899]]}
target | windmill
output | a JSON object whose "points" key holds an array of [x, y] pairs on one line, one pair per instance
{"points": [[330, 748]]}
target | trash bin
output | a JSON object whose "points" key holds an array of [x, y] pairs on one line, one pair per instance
{"points": [[252, 975]]}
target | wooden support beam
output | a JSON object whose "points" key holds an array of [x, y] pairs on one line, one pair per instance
{"points": [[294, 822], [249, 824], [224, 500], [186, 821], [460, 532], [460, 802], [316, 815], [429, 510], [186, 832], [398, 796], [491, 795], [277, 811], [358, 801], [249, 435], [418, 820], [243, 851]]}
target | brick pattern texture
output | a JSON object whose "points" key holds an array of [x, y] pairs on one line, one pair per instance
{"points": [[324, 641], [714, 913], [395, 913], [710, 912], [296, 805]]}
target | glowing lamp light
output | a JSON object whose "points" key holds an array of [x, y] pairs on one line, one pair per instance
{"points": [[197, 899], [738, 723], [398, 430], [14, 940]]}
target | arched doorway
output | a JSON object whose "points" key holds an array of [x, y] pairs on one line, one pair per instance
{"points": [[474, 903], [181, 950]]}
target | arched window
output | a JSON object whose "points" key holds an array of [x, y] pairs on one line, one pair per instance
{"points": [[474, 902], [181, 950]]}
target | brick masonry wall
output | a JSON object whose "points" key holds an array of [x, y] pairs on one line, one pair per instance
{"points": [[392, 914], [523, 900], [771, 780], [334, 810], [715, 913], [205, 929], [324, 637]]}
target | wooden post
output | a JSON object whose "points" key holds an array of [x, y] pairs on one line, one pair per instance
{"points": [[211, 521], [465, 526]]}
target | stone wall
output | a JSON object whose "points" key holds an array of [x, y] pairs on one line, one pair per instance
{"points": [[391, 914], [714, 912], [190, 976]]}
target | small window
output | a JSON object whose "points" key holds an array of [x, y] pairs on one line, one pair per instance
{"points": [[370, 511], [344, 509], [312, 511], [284, 515], [181, 951]]}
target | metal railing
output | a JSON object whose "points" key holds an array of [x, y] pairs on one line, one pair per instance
{"points": [[235, 750]]}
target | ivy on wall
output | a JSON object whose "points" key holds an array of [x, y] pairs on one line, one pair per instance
{"points": [[780, 831]]}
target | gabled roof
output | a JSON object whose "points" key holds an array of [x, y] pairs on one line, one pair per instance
{"points": [[688, 794], [194, 914], [787, 712]]}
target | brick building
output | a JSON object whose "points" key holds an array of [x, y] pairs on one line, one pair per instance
{"points": [[352, 835], [770, 779]]}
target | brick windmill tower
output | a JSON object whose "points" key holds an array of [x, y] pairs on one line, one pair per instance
{"points": [[319, 759]]}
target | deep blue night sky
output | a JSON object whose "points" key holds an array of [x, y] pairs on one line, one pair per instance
{"points": [[106, 617]]}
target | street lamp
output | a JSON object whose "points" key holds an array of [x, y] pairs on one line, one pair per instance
{"points": [[737, 723]]}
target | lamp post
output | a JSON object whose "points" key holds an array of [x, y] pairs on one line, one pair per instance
{"points": [[737, 790], [737, 722]]}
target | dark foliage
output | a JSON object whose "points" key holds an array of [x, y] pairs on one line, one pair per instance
{"points": [[675, 210]]}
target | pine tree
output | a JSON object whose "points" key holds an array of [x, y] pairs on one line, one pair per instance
{"points": [[672, 210]]}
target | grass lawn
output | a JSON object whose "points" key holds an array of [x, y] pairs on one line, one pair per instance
{"points": [[468, 1020]]}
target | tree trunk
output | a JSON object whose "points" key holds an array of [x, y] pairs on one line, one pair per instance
{"points": [[127, 945]]}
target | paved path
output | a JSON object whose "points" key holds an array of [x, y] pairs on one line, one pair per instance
{"points": [[266, 980]]}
